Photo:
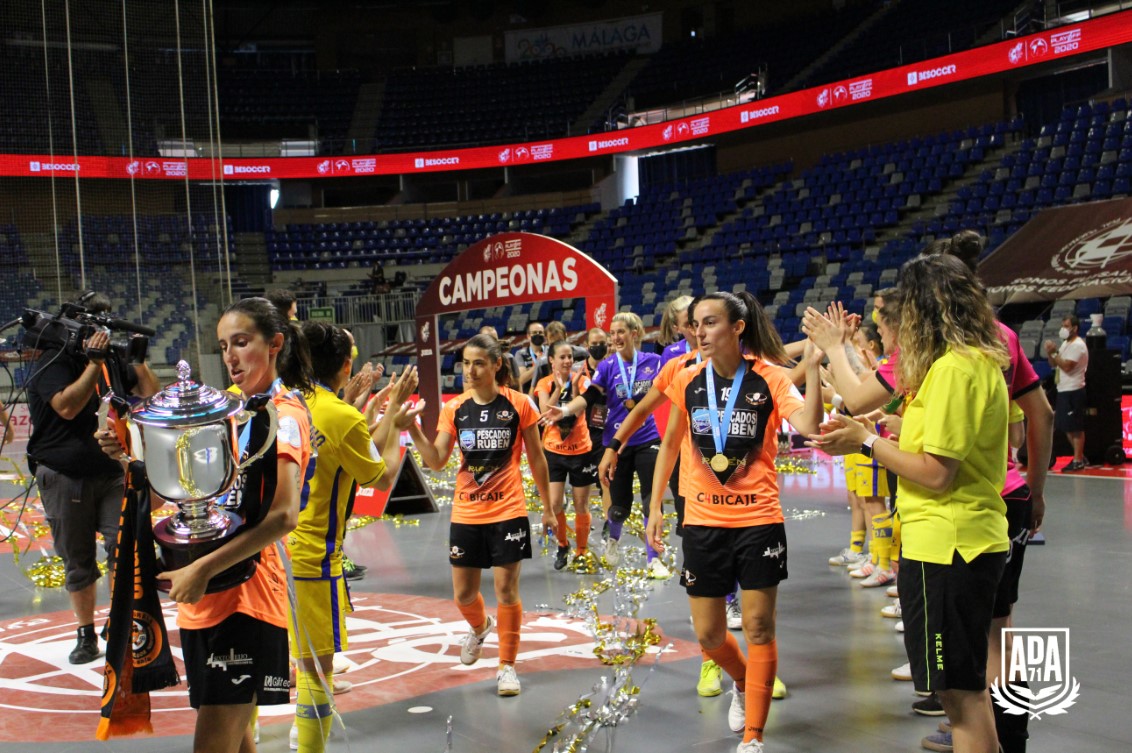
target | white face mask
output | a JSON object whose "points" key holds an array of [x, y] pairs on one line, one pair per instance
{"points": [[1063, 333]]}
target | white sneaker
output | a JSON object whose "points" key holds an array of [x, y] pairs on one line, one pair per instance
{"points": [[506, 681], [847, 557], [737, 713], [899, 627], [341, 664], [657, 570], [472, 644], [734, 615], [891, 592], [752, 747], [878, 578], [863, 571], [902, 673], [892, 611], [858, 559], [612, 556], [293, 738]]}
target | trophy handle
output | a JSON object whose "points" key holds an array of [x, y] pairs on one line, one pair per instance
{"points": [[112, 413], [255, 404]]}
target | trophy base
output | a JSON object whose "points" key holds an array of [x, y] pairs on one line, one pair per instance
{"points": [[176, 553]]}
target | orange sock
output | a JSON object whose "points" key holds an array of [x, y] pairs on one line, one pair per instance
{"points": [[762, 664], [474, 613], [560, 528], [510, 619], [728, 656], [582, 523]]}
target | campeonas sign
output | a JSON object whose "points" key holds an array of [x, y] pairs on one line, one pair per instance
{"points": [[1040, 656]]}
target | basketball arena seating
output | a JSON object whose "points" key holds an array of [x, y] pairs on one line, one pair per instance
{"points": [[491, 104], [302, 104], [910, 31]]}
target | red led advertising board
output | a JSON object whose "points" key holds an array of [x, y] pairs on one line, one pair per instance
{"points": [[1054, 44]]}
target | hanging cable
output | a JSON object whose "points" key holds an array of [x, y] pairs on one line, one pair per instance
{"points": [[213, 147], [219, 166], [75, 148], [51, 152], [134, 167], [188, 192]]}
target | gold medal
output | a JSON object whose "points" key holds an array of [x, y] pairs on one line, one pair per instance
{"points": [[630, 403], [719, 462]]}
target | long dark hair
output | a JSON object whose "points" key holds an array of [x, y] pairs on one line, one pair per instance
{"points": [[966, 246], [329, 346], [495, 352], [293, 364], [759, 337]]}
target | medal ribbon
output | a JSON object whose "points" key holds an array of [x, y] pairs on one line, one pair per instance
{"points": [[718, 430], [629, 379]]}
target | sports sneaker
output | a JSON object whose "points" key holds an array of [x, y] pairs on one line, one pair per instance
{"points": [[938, 741], [506, 681], [657, 570], [352, 570], [902, 673], [892, 611], [752, 747], [863, 571], [341, 664], [845, 557], [1074, 465], [891, 592], [734, 615], [930, 706], [612, 556], [737, 713], [858, 559], [338, 687], [945, 726], [293, 738], [710, 675], [472, 644], [878, 578], [560, 557], [779, 690], [899, 626], [85, 651]]}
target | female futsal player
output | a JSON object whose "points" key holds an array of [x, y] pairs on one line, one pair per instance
{"points": [[489, 526]]}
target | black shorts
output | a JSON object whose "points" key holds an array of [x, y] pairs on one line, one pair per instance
{"points": [[580, 470], [947, 617], [1070, 413], [239, 661], [639, 459], [1019, 519], [715, 558], [487, 545]]}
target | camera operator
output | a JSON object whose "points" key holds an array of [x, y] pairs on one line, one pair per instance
{"points": [[81, 488]]}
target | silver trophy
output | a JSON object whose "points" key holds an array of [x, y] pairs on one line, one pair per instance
{"points": [[190, 436]]}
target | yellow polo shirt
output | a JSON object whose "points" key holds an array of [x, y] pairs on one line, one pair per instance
{"points": [[960, 412]]}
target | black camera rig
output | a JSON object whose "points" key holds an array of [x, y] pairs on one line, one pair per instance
{"points": [[74, 325]]}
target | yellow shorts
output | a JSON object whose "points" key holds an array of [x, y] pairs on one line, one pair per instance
{"points": [[322, 607], [872, 480], [851, 462]]}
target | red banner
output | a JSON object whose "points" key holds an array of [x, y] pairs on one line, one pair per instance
{"points": [[505, 270], [1044, 47]]}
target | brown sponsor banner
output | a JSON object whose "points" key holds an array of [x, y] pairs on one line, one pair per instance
{"points": [[1081, 251]]}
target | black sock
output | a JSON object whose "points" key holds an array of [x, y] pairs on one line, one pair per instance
{"points": [[86, 632], [1012, 728]]}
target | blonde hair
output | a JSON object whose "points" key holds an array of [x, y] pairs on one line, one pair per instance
{"points": [[668, 332], [942, 307], [632, 321]]}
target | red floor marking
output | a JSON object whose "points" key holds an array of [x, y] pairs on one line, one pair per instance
{"points": [[401, 646]]}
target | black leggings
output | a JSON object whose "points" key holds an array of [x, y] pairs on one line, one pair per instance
{"points": [[677, 500], [639, 459]]}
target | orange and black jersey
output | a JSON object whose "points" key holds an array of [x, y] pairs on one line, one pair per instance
{"points": [[746, 492], [489, 486], [570, 436]]}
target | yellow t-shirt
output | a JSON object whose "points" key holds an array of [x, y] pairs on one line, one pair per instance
{"points": [[343, 452], [960, 412]]}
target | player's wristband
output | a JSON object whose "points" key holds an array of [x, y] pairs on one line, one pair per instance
{"points": [[614, 444]]}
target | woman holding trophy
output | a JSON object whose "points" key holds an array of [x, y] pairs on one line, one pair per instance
{"points": [[235, 640]]}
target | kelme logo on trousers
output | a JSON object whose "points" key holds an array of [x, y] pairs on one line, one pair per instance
{"points": [[1039, 657]]}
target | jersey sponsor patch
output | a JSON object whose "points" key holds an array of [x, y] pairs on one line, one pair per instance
{"points": [[289, 432]]}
